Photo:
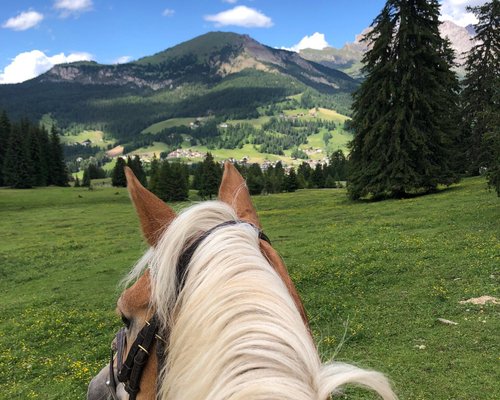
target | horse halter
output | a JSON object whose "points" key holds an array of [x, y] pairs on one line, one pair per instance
{"points": [[130, 371]]}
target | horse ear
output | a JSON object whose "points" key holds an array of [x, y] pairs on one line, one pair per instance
{"points": [[154, 215], [233, 191]]}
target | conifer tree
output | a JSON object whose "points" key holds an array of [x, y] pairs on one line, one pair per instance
{"points": [[17, 164], [210, 177], [86, 181], [317, 178], [255, 179], [304, 172], [58, 174], [39, 168], [153, 173], [403, 113], [118, 177], [4, 139], [481, 95], [172, 182], [135, 165], [291, 182]]}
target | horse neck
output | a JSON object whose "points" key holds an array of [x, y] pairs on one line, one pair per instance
{"points": [[235, 319]]}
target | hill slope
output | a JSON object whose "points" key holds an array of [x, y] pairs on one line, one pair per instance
{"points": [[219, 73]]}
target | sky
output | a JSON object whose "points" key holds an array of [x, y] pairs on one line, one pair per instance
{"points": [[37, 34]]}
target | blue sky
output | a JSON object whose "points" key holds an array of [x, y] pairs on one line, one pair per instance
{"points": [[36, 34]]}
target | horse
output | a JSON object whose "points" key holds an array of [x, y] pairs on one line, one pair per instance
{"points": [[210, 312]]}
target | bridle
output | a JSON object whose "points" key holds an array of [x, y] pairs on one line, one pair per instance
{"points": [[130, 371]]}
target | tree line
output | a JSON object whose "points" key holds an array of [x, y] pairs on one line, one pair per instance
{"points": [[30, 155], [413, 127], [172, 180]]}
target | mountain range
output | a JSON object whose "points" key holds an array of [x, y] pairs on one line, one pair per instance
{"points": [[219, 73], [348, 58]]}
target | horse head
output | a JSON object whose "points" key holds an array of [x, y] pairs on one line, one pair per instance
{"points": [[134, 305], [165, 317]]}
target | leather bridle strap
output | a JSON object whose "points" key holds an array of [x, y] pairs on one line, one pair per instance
{"points": [[187, 254], [133, 367]]}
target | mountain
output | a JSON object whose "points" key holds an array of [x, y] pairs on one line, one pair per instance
{"points": [[207, 58], [348, 58], [219, 73]]}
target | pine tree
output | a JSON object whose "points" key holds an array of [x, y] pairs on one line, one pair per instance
{"points": [[153, 174], [318, 179], [135, 165], [255, 179], [86, 181], [304, 173], [5, 129], [338, 165], [404, 111], [118, 177], [172, 182], [17, 164], [38, 160], [481, 94], [291, 182], [210, 177], [58, 174]]}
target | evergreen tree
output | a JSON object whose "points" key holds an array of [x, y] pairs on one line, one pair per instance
{"points": [[318, 178], [255, 179], [291, 181], [135, 165], [58, 174], [279, 177], [330, 182], [17, 163], [153, 173], [86, 181], [5, 129], [96, 172], [118, 177], [338, 165], [210, 177], [39, 169], [304, 173], [481, 94], [404, 111], [172, 182]]}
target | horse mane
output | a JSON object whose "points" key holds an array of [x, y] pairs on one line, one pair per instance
{"points": [[235, 331]]}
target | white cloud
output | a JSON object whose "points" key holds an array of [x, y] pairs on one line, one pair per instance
{"points": [[241, 16], [69, 7], [23, 21], [168, 12], [122, 60], [30, 64], [230, 1], [455, 10], [316, 41]]}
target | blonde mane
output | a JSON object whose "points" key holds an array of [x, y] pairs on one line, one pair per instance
{"points": [[235, 331]]}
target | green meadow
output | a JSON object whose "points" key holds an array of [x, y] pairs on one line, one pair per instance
{"points": [[374, 276]]}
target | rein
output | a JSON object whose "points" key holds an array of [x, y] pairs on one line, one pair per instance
{"points": [[130, 372]]}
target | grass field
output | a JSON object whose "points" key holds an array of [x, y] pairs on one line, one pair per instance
{"points": [[381, 273], [96, 137]]}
